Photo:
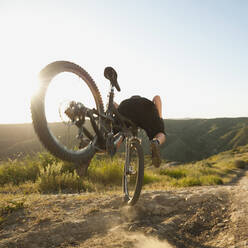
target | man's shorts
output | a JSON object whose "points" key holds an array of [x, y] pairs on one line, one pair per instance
{"points": [[143, 113]]}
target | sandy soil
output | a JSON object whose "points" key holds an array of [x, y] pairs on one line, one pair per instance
{"points": [[193, 217]]}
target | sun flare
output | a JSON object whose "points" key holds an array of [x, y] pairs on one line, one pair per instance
{"points": [[63, 89]]}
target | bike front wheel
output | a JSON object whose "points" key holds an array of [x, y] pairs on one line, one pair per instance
{"points": [[60, 84], [133, 172]]}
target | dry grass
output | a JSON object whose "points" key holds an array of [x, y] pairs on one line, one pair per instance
{"points": [[50, 175]]}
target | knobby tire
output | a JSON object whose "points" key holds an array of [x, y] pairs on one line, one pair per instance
{"points": [[38, 111], [131, 200]]}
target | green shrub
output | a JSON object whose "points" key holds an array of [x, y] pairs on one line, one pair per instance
{"points": [[10, 206], [17, 172], [211, 180], [26, 188], [229, 166], [241, 164], [206, 171], [1, 220], [150, 178], [187, 182], [174, 172], [53, 180], [46, 158], [106, 171]]}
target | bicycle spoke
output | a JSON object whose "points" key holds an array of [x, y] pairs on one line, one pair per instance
{"points": [[64, 89]]}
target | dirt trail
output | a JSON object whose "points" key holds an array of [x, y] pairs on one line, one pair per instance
{"points": [[205, 217]]}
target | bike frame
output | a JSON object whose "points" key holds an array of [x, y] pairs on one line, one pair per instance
{"points": [[106, 123]]}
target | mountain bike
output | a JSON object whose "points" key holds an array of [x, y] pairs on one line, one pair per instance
{"points": [[77, 126]]}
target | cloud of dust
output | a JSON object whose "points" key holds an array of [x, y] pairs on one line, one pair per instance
{"points": [[139, 239], [149, 242]]}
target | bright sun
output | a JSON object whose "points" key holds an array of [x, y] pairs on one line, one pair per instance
{"points": [[19, 67], [24, 52], [17, 87]]}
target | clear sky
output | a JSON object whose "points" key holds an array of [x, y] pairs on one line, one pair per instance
{"points": [[193, 53]]}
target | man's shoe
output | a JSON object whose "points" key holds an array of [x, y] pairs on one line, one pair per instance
{"points": [[156, 160]]}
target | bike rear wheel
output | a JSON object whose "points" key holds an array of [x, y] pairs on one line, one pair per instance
{"points": [[55, 130], [133, 172]]}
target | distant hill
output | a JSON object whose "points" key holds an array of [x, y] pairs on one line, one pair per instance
{"points": [[187, 140], [18, 139], [195, 139], [200, 138]]}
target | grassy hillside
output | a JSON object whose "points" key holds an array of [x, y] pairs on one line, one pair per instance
{"points": [[195, 139], [187, 140]]}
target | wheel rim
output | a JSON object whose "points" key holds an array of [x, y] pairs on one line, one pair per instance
{"points": [[132, 173]]}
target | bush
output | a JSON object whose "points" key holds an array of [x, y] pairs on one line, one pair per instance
{"points": [[11, 206], [197, 174], [150, 178], [176, 173], [106, 171], [17, 172], [46, 158], [207, 171], [53, 180], [211, 180], [241, 164], [187, 182], [27, 187], [20, 171]]}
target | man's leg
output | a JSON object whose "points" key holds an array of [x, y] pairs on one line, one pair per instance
{"points": [[159, 138], [158, 103]]}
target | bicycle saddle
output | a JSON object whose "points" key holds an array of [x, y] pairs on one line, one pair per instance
{"points": [[111, 75]]}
